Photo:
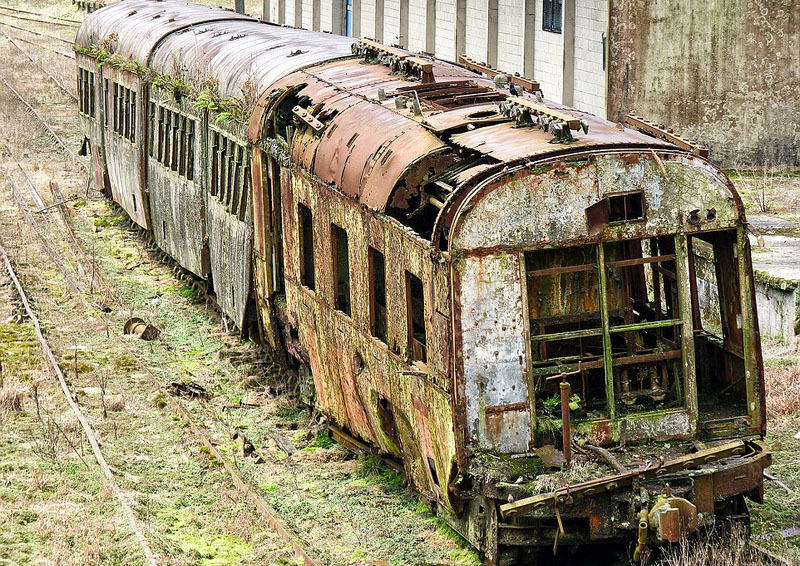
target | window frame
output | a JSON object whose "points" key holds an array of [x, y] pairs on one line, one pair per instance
{"points": [[305, 236], [337, 232], [410, 279], [375, 303], [552, 16]]}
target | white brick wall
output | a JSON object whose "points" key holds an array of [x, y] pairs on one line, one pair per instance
{"points": [[510, 39], [446, 29], [325, 20], [289, 13], [417, 21], [308, 8], [391, 22], [591, 17], [368, 18], [548, 66], [477, 29]]}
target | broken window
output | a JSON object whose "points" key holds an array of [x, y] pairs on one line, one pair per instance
{"points": [[551, 15], [306, 236], [377, 294], [610, 316], [717, 321], [86, 86], [622, 207], [564, 307], [123, 119], [415, 305], [644, 323], [341, 269], [172, 140], [230, 173]]}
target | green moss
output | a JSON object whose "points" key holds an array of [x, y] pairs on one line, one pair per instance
{"points": [[19, 348], [322, 440], [374, 468]]}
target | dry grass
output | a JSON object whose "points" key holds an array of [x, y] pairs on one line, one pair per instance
{"points": [[11, 394], [783, 390], [732, 549]]}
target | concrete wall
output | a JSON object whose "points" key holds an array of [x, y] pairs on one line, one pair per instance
{"points": [[506, 34], [777, 302], [725, 72]]}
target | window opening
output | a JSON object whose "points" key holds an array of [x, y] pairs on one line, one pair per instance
{"points": [[564, 308], [644, 323], [306, 246], [415, 301], [638, 359], [717, 321], [377, 295], [341, 269], [551, 15]]}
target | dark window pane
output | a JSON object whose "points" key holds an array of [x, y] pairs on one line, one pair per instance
{"points": [[377, 277], [341, 269], [306, 246]]}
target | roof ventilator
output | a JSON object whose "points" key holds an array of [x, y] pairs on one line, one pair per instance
{"points": [[661, 132], [527, 113], [397, 60], [528, 84]]}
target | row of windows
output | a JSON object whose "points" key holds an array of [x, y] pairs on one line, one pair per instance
{"points": [[122, 117], [86, 103], [230, 174], [414, 292], [172, 140]]}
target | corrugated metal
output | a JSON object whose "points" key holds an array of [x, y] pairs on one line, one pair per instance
{"points": [[236, 53], [505, 142], [141, 24]]}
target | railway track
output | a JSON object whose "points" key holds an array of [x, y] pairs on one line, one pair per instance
{"points": [[80, 257], [41, 15], [38, 64], [4, 13], [39, 34], [73, 272]]}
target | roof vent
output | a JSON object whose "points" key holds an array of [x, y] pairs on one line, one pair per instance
{"points": [[397, 60], [528, 113]]}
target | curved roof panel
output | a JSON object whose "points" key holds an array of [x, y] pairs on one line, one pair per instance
{"points": [[141, 24]]}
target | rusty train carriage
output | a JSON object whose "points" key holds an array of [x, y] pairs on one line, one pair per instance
{"points": [[444, 257]]}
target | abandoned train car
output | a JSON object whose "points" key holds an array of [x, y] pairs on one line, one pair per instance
{"points": [[482, 285]]}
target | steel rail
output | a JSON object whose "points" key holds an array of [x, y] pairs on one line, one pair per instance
{"points": [[265, 510], [21, 11], [47, 47], [39, 33], [51, 133], [90, 434], [41, 67], [72, 26]]}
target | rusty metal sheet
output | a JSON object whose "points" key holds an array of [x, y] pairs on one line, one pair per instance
{"points": [[349, 142], [477, 115], [390, 160], [504, 142]]}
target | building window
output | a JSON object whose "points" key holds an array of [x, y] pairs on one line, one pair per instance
{"points": [[306, 235], [341, 269], [551, 15], [377, 294], [415, 305], [172, 140], [230, 174]]}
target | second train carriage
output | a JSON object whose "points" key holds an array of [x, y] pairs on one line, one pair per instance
{"points": [[445, 257]]}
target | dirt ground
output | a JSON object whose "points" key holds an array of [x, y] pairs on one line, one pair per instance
{"points": [[55, 504]]}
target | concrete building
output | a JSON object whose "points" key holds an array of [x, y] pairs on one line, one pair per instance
{"points": [[724, 72]]}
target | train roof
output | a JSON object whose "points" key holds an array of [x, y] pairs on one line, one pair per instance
{"points": [[369, 140]]}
